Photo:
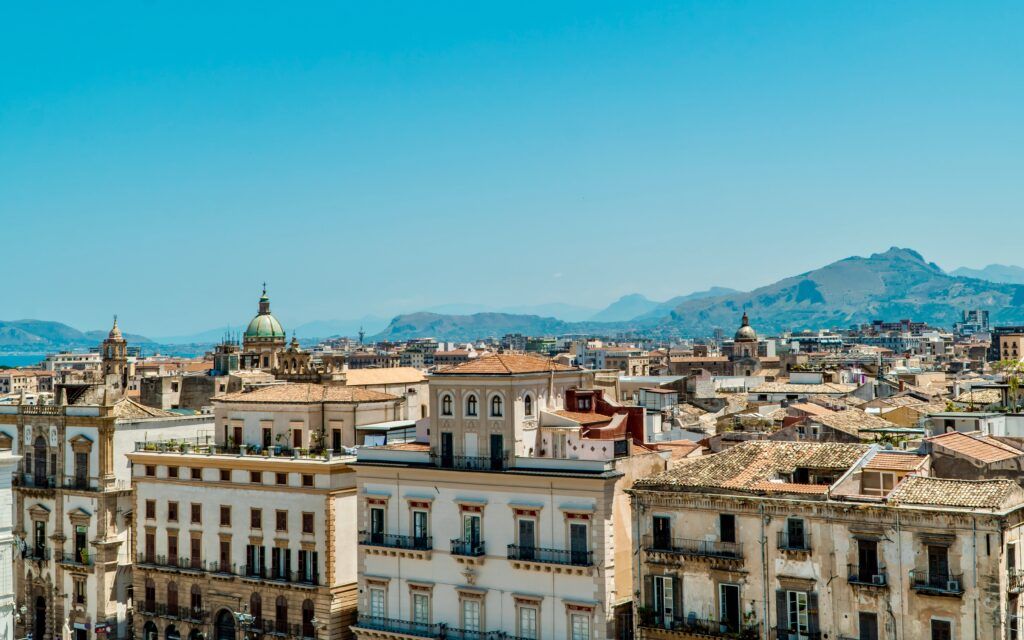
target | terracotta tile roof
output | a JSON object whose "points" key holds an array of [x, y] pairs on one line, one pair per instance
{"points": [[789, 387], [749, 464], [393, 375], [810, 408], [306, 393], [789, 487], [896, 462], [980, 396], [678, 448], [850, 421], [975, 445], [128, 409], [698, 359], [977, 494], [505, 364], [585, 419]]}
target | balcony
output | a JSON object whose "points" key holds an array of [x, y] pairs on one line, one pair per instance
{"points": [[253, 573], [394, 626], [1015, 581], [471, 463], [867, 576], [937, 584], [80, 558], [36, 481], [396, 545], [712, 550], [785, 633], [38, 554], [696, 627], [794, 542], [551, 560], [81, 483], [468, 551]]}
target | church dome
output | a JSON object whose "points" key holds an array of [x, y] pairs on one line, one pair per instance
{"points": [[746, 332], [264, 325]]}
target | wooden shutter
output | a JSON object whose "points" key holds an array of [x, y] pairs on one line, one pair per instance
{"points": [[781, 611], [812, 612]]}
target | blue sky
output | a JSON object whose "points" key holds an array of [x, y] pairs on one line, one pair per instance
{"points": [[159, 160]]}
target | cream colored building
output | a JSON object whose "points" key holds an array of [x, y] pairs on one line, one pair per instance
{"points": [[510, 520], [257, 519], [802, 541], [72, 505]]}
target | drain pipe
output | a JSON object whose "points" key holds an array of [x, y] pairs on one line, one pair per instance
{"points": [[764, 572], [974, 578]]}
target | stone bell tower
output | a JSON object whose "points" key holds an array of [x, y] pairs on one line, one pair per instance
{"points": [[114, 359]]}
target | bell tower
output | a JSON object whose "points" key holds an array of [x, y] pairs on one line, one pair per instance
{"points": [[114, 359]]}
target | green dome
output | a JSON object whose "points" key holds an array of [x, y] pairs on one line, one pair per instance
{"points": [[264, 325]]}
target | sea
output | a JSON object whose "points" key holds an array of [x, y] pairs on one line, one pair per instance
{"points": [[21, 359]]}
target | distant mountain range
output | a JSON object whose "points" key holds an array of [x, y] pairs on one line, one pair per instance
{"points": [[44, 335], [898, 283], [1004, 273]]}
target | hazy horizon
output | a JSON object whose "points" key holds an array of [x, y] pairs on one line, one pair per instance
{"points": [[162, 161]]}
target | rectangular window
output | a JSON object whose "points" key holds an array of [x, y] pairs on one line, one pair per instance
{"points": [[150, 509], [470, 614], [942, 630], [377, 607], [727, 527], [195, 551], [376, 525], [79, 591], [256, 477], [225, 475], [225, 515], [172, 511], [528, 623], [580, 626], [796, 609], [661, 527], [197, 513], [256, 518], [172, 549], [281, 520], [172, 472], [196, 473], [421, 608], [281, 478], [419, 526], [664, 599], [151, 470], [307, 480], [225, 556], [868, 625], [307, 522]]}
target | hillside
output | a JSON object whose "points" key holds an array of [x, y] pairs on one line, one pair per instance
{"points": [[895, 284], [898, 283], [37, 335], [1005, 273]]}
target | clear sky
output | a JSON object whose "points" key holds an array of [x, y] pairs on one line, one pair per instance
{"points": [[161, 159]]}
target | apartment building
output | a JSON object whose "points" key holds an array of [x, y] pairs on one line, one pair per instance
{"points": [[802, 541], [72, 504], [510, 520], [252, 531]]}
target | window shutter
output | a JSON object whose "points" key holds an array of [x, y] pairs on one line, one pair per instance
{"points": [[782, 621], [677, 597], [812, 612], [648, 601]]}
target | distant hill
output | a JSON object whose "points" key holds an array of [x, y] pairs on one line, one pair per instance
{"points": [[635, 306], [469, 327], [50, 335], [1004, 273], [559, 310], [897, 283], [627, 307]]}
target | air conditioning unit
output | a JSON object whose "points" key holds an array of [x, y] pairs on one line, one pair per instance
{"points": [[878, 578], [953, 585]]}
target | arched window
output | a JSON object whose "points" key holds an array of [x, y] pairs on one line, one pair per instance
{"points": [[172, 599], [496, 406], [307, 619], [256, 609], [197, 599], [528, 405], [446, 405], [471, 405], [281, 615]]}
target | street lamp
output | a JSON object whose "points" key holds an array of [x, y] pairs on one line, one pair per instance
{"points": [[245, 620], [317, 626]]}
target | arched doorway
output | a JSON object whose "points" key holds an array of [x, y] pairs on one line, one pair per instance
{"points": [[149, 631], [195, 634], [224, 627], [172, 633], [39, 620]]}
